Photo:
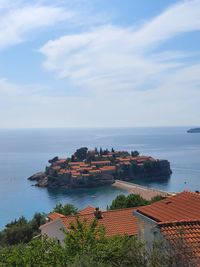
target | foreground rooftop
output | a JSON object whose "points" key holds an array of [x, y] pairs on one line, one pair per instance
{"points": [[115, 222], [180, 207]]}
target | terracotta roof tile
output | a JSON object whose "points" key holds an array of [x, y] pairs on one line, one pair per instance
{"points": [[81, 163], [60, 161], [182, 206], [88, 209], [183, 236], [108, 168], [102, 162], [55, 216], [116, 222]]}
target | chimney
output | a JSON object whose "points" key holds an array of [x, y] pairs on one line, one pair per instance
{"points": [[98, 213]]}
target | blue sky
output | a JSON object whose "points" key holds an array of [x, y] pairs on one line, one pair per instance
{"points": [[99, 63]]}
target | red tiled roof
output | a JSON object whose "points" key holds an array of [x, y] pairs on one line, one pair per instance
{"points": [[108, 168], [85, 168], [55, 216], [182, 206], [60, 161], [124, 159], [126, 163], [102, 162], [183, 236], [115, 222], [76, 163], [88, 209]]}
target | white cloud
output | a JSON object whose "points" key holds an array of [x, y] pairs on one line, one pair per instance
{"points": [[174, 102], [111, 57], [17, 20], [103, 59], [118, 66], [177, 19]]}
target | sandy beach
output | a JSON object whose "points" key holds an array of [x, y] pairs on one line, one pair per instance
{"points": [[146, 192]]}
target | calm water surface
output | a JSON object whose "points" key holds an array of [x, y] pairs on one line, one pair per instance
{"points": [[24, 152]]}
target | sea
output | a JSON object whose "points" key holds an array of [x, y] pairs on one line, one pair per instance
{"points": [[24, 152]]}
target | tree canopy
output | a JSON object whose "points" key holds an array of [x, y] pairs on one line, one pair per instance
{"points": [[132, 200], [67, 209], [81, 153], [21, 230]]}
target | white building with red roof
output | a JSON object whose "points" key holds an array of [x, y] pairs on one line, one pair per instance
{"points": [[115, 222], [170, 220], [174, 220]]}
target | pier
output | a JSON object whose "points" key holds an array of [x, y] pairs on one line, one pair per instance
{"points": [[146, 192]]}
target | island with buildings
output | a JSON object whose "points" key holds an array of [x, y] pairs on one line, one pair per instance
{"points": [[92, 168], [194, 130]]}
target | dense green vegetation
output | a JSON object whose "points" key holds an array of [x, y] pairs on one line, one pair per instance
{"points": [[87, 246], [21, 230], [132, 200]]}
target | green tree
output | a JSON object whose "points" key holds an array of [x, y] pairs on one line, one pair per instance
{"points": [[53, 160], [38, 219], [135, 153], [121, 251], [18, 231], [21, 230], [67, 209], [81, 153], [133, 200], [157, 198], [83, 237], [118, 203]]}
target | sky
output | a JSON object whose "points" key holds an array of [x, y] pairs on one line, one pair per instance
{"points": [[99, 63]]}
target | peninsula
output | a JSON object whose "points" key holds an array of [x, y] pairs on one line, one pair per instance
{"points": [[194, 130], [92, 168]]}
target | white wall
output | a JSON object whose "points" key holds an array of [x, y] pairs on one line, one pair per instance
{"points": [[54, 230], [148, 231]]}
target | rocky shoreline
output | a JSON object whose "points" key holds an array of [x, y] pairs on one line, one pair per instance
{"points": [[42, 181]]}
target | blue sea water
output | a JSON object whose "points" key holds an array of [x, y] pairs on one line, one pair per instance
{"points": [[26, 151]]}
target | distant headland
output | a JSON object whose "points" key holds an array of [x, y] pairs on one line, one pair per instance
{"points": [[92, 168], [194, 130]]}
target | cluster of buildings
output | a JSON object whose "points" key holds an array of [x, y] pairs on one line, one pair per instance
{"points": [[93, 168], [174, 220], [98, 168], [105, 164], [81, 168]]}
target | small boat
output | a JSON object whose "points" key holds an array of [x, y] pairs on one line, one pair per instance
{"points": [[93, 196]]}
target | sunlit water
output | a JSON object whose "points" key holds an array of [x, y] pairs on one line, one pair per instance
{"points": [[24, 152]]}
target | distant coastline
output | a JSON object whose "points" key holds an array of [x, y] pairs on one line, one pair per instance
{"points": [[194, 130]]}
